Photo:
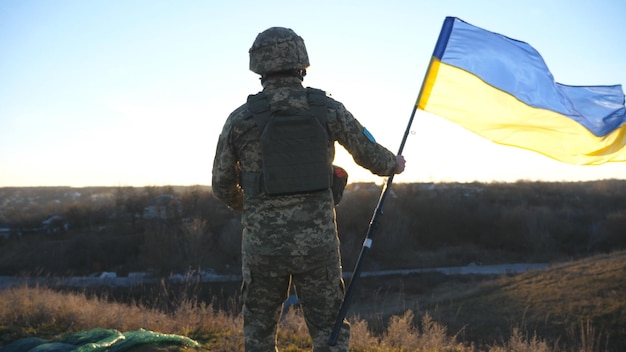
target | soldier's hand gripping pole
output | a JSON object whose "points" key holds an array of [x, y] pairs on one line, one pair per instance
{"points": [[332, 341]]}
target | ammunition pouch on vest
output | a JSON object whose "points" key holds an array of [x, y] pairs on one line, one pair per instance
{"points": [[294, 148]]}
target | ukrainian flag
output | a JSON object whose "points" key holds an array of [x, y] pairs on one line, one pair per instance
{"points": [[501, 89]]}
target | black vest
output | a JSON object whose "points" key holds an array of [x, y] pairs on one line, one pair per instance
{"points": [[294, 148]]}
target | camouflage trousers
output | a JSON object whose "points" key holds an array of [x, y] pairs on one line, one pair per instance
{"points": [[320, 289]]}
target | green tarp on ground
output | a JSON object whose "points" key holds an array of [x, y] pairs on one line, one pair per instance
{"points": [[98, 340]]}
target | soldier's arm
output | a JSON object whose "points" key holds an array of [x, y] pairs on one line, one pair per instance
{"points": [[225, 178], [355, 138]]}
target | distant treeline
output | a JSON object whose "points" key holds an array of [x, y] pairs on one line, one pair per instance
{"points": [[171, 229]]}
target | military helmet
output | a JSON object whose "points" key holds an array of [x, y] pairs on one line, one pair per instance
{"points": [[278, 49]]}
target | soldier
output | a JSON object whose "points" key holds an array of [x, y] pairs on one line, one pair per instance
{"points": [[274, 163]]}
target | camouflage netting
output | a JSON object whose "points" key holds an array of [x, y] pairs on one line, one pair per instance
{"points": [[98, 340]]}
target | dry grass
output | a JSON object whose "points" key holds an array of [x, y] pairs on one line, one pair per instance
{"points": [[37, 311], [581, 303], [43, 312]]}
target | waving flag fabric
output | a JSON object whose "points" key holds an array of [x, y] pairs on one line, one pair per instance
{"points": [[501, 89]]}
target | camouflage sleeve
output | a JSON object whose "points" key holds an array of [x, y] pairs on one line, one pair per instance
{"points": [[225, 174], [366, 152]]}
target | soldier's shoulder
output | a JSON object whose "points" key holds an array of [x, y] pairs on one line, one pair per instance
{"points": [[239, 116], [242, 112], [328, 98]]}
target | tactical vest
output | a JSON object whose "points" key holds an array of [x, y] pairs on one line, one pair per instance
{"points": [[294, 148]]}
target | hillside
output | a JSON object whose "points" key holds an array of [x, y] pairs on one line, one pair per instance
{"points": [[579, 302]]}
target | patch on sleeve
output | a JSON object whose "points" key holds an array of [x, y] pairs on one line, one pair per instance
{"points": [[368, 135]]}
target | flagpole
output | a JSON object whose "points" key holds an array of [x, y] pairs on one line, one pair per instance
{"points": [[373, 226]]}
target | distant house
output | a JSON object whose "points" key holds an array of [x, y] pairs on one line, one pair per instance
{"points": [[164, 206], [55, 223]]}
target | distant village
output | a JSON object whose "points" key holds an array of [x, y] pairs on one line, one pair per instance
{"points": [[20, 208]]}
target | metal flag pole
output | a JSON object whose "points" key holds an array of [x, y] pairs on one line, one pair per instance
{"points": [[332, 341], [373, 226]]}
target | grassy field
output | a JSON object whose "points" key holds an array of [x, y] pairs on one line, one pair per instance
{"points": [[577, 306], [580, 305]]}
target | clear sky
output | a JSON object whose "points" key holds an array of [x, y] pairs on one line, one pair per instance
{"points": [[135, 92]]}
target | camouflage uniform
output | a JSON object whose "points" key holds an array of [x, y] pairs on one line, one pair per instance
{"points": [[289, 239]]}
